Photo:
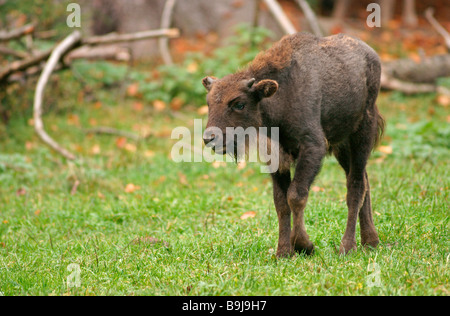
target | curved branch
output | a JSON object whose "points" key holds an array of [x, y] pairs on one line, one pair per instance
{"points": [[62, 48], [439, 28]]}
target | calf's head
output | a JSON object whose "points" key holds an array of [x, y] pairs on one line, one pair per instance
{"points": [[233, 102]]}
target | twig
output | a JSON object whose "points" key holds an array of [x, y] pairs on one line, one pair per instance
{"points": [[280, 16], [112, 131], [439, 28], [19, 32], [8, 51], [311, 17], [68, 43], [163, 42]]}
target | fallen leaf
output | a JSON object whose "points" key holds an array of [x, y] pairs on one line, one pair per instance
{"points": [[73, 119], [241, 165], [385, 149], [121, 142], [248, 215], [203, 110], [138, 106], [176, 104], [218, 164], [159, 105], [100, 195], [97, 105], [149, 153], [192, 67], [132, 89], [29, 145], [443, 100], [130, 147], [95, 150], [21, 191], [183, 179], [317, 189], [130, 188], [37, 212]]}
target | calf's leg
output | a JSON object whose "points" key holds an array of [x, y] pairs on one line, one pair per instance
{"points": [[281, 181], [358, 192], [308, 166]]}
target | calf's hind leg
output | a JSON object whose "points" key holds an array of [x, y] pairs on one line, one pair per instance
{"points": [[358, 191], [369, 235]]}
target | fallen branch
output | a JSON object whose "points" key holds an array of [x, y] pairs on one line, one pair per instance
{"points": [[68, 43], [8, 51], [163, 42], [19, 32], [131, 37], [390, 83]]}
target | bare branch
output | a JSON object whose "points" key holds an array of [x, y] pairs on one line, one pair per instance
{"points": [[280, 16], [68, 43], [311, 17], [117, 38], [439, 28], [16, 33]]}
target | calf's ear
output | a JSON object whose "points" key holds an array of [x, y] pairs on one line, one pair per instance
{"points": [[208, 82], [266, 88]]}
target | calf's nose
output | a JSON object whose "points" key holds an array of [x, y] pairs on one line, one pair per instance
{"points": [[208, 138]]}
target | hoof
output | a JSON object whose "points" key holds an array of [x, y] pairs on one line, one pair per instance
{"points": [[370, 243], [306, 247], [284, 252], [347, 246]]}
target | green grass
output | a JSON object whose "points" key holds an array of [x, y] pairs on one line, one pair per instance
{"points": [[194, 209]]}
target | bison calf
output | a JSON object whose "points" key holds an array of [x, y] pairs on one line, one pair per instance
{"points": [[320, 93]]}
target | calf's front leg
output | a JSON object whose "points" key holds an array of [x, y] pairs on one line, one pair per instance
{"points": [[308, 166], [281, 182]]}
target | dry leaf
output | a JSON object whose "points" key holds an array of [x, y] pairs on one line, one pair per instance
{"points": [[121, 142], [21, 191], [73, 119], [138, 106], [385, 149], [130, 147], [29, 145], [95, 150], [130, 188], [218, 164], [133, 89], [203, 110], [248, 215], [100, 195], [149, 153], [37, 212], [176, 104], [183, 179], [97, 105], [159, 105], [317, 189], [443, 100], [192, 67]]}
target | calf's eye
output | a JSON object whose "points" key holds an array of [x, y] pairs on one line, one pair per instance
{"points": [[239, 106]]}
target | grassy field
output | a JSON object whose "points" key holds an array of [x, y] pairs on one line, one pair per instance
{"points": [[137, 223]]}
